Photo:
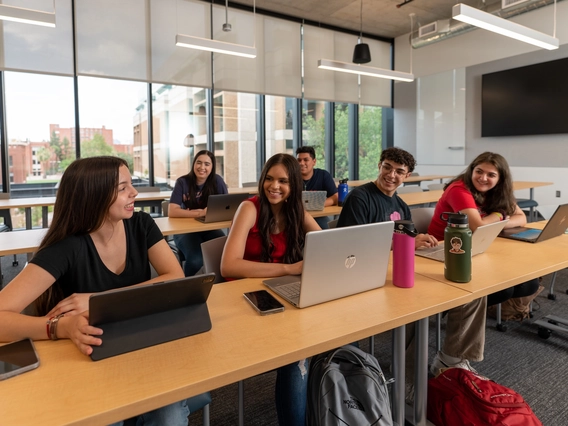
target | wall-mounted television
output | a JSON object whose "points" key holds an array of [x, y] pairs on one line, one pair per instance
{"points": [[531, 100]]}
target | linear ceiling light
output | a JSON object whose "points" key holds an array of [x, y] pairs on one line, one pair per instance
{"points": [[327, 64], [490, 22], [27, 16], [215, 46]]}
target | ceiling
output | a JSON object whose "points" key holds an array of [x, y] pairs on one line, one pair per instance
{"points": [[384, 18]]}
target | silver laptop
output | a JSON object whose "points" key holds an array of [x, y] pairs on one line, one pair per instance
{"points": [[222, 207], [314, 200], [338, 262], [554, 227], [480, 241]]}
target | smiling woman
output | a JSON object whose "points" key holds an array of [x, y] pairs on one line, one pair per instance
{"points": [[267, 240], [189, 199]]}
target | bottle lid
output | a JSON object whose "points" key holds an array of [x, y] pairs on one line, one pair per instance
{"points": [[455, 218], [405, 227], [343, 180]]}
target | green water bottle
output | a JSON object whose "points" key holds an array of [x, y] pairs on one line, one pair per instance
{"points": [[457, 248]]}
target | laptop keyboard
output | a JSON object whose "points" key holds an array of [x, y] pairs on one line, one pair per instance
{"points": [[291, 291]]}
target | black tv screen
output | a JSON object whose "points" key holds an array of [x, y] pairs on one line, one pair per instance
{"points": [[531, 100]]}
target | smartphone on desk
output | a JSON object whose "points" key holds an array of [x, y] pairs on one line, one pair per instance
{"points": [[264, 302], [17, 358]]}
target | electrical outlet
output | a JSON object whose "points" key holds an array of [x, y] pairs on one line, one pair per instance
{"points": [[557, 194]]}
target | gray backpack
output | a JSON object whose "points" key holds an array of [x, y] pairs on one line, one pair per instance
{"points": [[347, 387]]}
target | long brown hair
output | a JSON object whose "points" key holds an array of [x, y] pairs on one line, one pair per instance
{"points": [[87, 189], [292, 208], [498, 199], [210, 185]]}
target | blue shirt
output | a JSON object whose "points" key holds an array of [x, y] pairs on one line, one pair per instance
{"points": [[321, 180]]}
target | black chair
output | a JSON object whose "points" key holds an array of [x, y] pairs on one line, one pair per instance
{"points": [[531, 205]]}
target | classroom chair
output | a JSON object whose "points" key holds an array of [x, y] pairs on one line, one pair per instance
{"points": [[407, 189], [212, 251], [531, 205], [435, 186], [413, 183]]}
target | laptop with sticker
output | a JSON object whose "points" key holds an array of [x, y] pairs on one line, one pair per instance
{"points": [[480, 241]]}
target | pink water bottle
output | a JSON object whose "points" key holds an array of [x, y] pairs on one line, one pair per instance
{"points": [[403, 254]]}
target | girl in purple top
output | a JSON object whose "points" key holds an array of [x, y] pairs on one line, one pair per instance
{"points": [[189, 199]]}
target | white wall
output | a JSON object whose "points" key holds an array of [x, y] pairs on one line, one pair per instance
{"points": [[532, 158]]}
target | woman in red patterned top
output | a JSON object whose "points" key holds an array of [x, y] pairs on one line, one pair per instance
{"points": [[267, 240]]}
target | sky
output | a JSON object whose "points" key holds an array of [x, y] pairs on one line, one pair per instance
{"points": [[33, 101]]}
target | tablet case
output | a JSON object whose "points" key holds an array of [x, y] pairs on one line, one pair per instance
{"points": [[138, 317]]}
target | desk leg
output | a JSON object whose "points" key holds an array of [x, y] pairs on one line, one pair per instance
{"points": [[28, 218], [44, 216], [531, 208], [241, 402], [398, 358], [421, 372]]}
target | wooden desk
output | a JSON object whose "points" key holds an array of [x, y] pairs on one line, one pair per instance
{"points": [[424, 197], [28, 241], [45, 202], [68, 388], [411, 179], [505, 263]]}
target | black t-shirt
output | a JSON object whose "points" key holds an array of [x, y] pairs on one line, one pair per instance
{"points": [[75, 263], [367, 204]]}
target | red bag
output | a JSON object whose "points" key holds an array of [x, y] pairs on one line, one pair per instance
{"points": [[461, 397]]}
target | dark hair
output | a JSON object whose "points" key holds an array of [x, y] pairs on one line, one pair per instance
{"points": [[498, 199], [292, 208], [306, 150], [399, 156], [87, 189], [210, 186]]}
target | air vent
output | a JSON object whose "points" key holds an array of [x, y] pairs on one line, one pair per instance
{"points": [[440, 26], [428, 29], [508, 3]]}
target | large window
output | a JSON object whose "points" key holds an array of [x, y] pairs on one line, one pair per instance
{"points": [[112, 121], [279, 125], [342, 141], [313, 128], [179, 126], [234, 116], [370, 141]]}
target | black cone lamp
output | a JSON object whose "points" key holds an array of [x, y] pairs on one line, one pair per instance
{"points": [[361, 53]]}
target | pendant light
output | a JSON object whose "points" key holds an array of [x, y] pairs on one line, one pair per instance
{"points": [[361, 53]]}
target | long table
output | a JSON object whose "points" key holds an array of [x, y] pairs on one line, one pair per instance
{"points": [[149, 197], [27, 241], [45, 202], [126, 385], [69, 389]]}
